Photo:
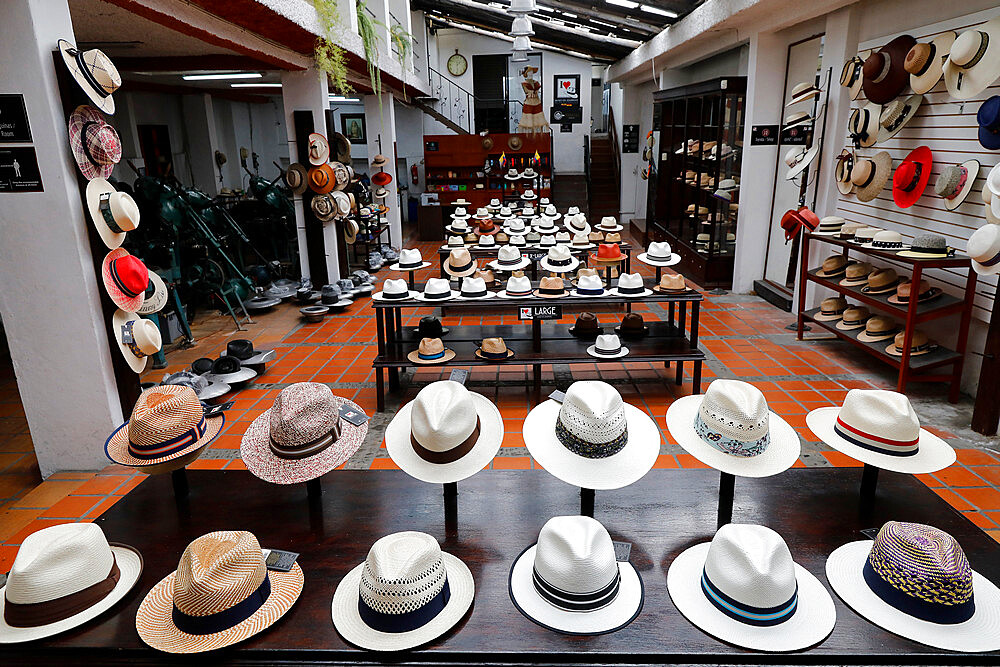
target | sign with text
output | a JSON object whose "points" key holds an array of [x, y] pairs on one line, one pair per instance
{"points": [[764, 135], [14, 126], [630, 138], [566, 113], [797, 136], [19, 170], [431, 145], [539, 313]]}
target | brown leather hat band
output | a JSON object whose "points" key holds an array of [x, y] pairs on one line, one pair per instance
{"points": [[52, 611], [448, 456]]}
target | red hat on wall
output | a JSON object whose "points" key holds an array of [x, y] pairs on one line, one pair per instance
{"points": [[794, 219], [382, 179], [911, 176]]}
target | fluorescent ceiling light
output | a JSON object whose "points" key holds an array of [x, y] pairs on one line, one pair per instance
{"points": [[657, 10], [569, 15], [341, 98], [222, 76], [255, 85], [628, 4]]}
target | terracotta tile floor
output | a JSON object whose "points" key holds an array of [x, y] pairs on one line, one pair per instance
{"points": [[743, 337]]}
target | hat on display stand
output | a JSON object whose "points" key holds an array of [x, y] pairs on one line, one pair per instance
{"points": [[559, 260], [509, 258], [672, 283], [474, 288], [587, 327], [319, 149], [854, 318], [409, 260], [804, 91], [437, 289], [518, 287], [486, 241], [632, 326], [829, 226], [798, 160], [431, 351], [394, 290], [659, 254], [630, 285], [551, 288], [589, 286], [973, 62], [494, 349], [577, 224], [430, 327], [856, 274], [919, 344], [878, 328], [459, 263], [831, 309]]}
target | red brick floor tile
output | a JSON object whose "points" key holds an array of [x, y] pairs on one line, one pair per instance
{"points": [[975, 457], [953, 499], [208, 464], [981, 520], [840, 460], [7, 556], [665, 461], [512, 463], [930, 481], [984, 499], [383, 464], [688, 461], [129, 485], [990, 473], [100, 485], [958, 476], [71, 507]]}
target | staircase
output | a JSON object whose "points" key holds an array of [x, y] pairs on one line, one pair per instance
{"points": [[427, 105], [605, 186], [449, 103]]}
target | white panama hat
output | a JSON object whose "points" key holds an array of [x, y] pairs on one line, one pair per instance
{"points": [[607, 346], [446, 434], [973, 62], [730, 428], [744, 588], [559, 260], [880, 428], [509, 258], [437, 289], [137, 338], [984, 249], [407, 593], [113, 213], [570, 582], [156, 295], [630, 285], [798, 160], [518, 287], [474, 288], [393, 290], [609, 224], [915, 581], [409, 260], [56, 562], [659, 254], [592, 439]]}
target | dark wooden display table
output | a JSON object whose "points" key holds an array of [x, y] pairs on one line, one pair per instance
{"points": [[667, 511]]}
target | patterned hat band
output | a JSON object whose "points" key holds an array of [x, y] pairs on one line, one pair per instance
{"points": [[917, 169], [88, 75], [393, 620], [745, 613], [898, 120], [887, 244], [109, 217], [936, 606], [34, 614], [227, 618], [874, 443], [167, 447], [577, 601], [730, 445], [509, 262], [590, 450], [984, 43], [128, 339], [448, 455], [306, 449]]}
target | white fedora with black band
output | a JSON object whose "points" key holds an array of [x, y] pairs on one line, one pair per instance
{"points": [[630, 285], [509, 258], [94, 72], [592, 439], [446, 434], [394, 290], [113, 213], [659, 254], [559, 260], [744, 588], [973, 62], [437, 289], [570, 582], [409, 260], [730, 428], [880, 428]]}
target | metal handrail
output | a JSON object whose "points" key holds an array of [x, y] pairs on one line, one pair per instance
{"points": [[456, 102], [613, 134]]}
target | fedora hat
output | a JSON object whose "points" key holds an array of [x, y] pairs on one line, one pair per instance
{"points": [[243, 349], [529, 174], [493, 349], [856, 274], [481, 214], [845, 163], [94, 143], [613, 237], [863, 125], [798, 159], [331, 295], [559, 260], [379, 160], [659, 254], [551, 288], [608, 253], [546, 225], [592, 439], [870, 174], [954, 183], [125, 278], [167, 424], [394, 290], [518, 287], [437, 289], [570, 582], [221, 593], [744, 588], [988, 118], [671, 283], [323, 207], [919, 344], [851, 76], [829, 226], [925, 61], [474, 288], [833, 266], [431, 351], [471, 238], [113, 213], [459, 226], [342, 203], [515, 226], [319, 149], [887, 240], [430, 327], [341, 174], [297, 178], [409, 260], [973, 63], [446, 434], [632, 326], [878, 328], [62, 577], [460, 213], [529, 195], [580, 242], [503, 213], [630, 285], [609, 224], [880, 428], [509, 258], [301, 436], [881, 281], [322, 180], [155, 297], [802, 92], [596, 236], [407, 593], [550, 211], [486, 227], [586, 326], [883, 74], [854, 318], [487, 276], [486, 241], [230, 370], [793, 119], [454, 241], [589, 286], [831, 309], [563, 237], [896, 114], [94, 72], [730, 428], [928, 246], [512, 174], [381, 179], [911, 176], [459, 263], [904, 292], [848, 230], [915, 581]]}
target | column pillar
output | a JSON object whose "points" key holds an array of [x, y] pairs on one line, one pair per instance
{"points": [[50, 301], [199, 122], [381, 124]]}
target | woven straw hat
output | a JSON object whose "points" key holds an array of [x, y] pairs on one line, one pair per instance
{"points": [[407, 593], [919, 344], [167, 425], [394, 290], [730, 428], [883, 75], [659, 254], [831, 309], [865, 235], [446, 434], [431, 351], [474, 288], [592, 439], [803, 91], [95, 74], [887, 239], [437, 289], [518, 287], [984, 249], [881, 281], [509, 258], [301, 436], [880, 428], [609, 224], [863, 125], [896, 114], [589, 286], [974, 60], [113, 213], [551, 287], [137, 338], [546, 225], [547, 241], [744, 588], [854, 318], [220, 594], [845, 162], [857, 274], [915, 581], [71, 559], [870, 175], [672, 283], [559, 260], [954, 183], [486, 241], [904, 292], [607, 346], [581, 242], [630, 285], [409, 260], [925, 61], [577, 224], [829, 226], [460, 263], [833, 266], [493, 349], [878, 328], [848, 230], [850, 76], [319, 149], [928, 246], [570, 582], [95, 144]]}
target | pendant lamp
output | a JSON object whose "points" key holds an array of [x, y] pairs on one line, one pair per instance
{"points": [[522, 44], [521, 27], [522, 6]]}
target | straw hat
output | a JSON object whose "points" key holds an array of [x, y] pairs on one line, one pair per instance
{"points": [[437, 289], [607, 346], [880, 428], [588, 285], [409, 260], [301, 436], [559, 260], [845, 163], [509, 258], [744, 588], [924, 292], [659, 254], [319, 149], [394, 290], [64, 576], [379, 160], [446, 434], [167, 424], [854, 318], [883, 74], [586, 327], [833, 266], [592, 439], [459, 263], [887, 240], [518, 287], [632, 326], [881, 281], [486, 241], [95, 74], [796, 119], [829, 226], [608, 224], [863, 125], [730, 428], [896, 114], [493, 349], [551, 288], [856, 274], [919, 344], [608, 253], [529, 195], [297, 178], [95, 144], [984, 249], [928, 246], [155, 297], [802, 92], [474, 288], [870, 174], [407, 593], [137, 338], [322, 179], [798, 159], [831, 309], [925, 61], [974, 61], [915, 581], [878, 328], [911, 177], [113, 213], [851, 76], [431, 351], [630, 285], [954, 183], [672, 283], [848, 230], [570, 582], [580, 242], [220, 594], [865, 235]]}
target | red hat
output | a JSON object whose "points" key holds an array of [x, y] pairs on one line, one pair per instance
{"points": [[322, 179], [382, 179], [911, 176], [125, 278], [487, 227], [608, 252], [794, 219]]}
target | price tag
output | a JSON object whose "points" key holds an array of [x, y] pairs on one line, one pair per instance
{"points": [[216, 410], [459, 375], [622, 551], [352, 415], [558, 396], [278, 560], [870, 533]]}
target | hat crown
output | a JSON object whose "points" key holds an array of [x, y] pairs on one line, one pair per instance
{"points": [[575, 554], [917, 57], [862, 170], [632, 322], [630, 280], [613, 237], [966, 47], [402, 573], [443, 416], [672, 281], [559, 252], [218, 571], [592, 411], [302, 413], [737, 410], [858, 270], [494, 345], [752, 565], [984, 242], [879, 324], [834, 263], [518, 284], [882, 277], [163, 413], [472, 284], [145, 335], [589, 282], [550, 282], [580, 240], [58, 561], [658, 249], [917, 340], [487, 240], [103, 145], [948, 182], [881, 413], [887, 236], [834, 304], [409, 255], [392, 286]]}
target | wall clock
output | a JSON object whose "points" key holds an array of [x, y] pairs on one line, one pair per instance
{"points": [[457, 64]]}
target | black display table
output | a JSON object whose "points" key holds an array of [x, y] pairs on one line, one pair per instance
{"points": [[661, 515], [535, 253]]}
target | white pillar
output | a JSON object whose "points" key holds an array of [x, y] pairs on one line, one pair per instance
{"points": [[199, 122], [381, 124], [50, 299], [308, 90]]}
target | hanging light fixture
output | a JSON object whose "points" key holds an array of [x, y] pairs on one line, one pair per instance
{"points": [[521, 27], [522, 44], [522, 6], [519, 57]]}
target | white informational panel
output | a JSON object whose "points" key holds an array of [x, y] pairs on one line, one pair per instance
{"points": [[948, 127]]}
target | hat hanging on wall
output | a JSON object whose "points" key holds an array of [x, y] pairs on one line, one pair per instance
{"points": [[850, 76], [323, 208], [95, 144], [798, 160], [802, 92], [988, 118], [974, 61], [322, 179], [381, 179], [896, 114], [845, 162], [863, 125], [870, 175], [341, 148], [883, 74], [954, 183], [911, 176], [113, 213], [319, 149], [155, 296], [925, 61], [297, 178], [95, 74]]}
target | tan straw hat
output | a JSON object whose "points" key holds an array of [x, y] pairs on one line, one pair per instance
{"points": [[870, 175], [493, 349], [925, 61], [919, 344], [854, 318], [431, 351], [856, 274], [833, 266], [878, 328], [831, 309]]}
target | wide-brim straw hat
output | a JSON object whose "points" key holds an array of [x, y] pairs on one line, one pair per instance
{"points": [[124, 206], [629, 465], [154, 303], [106, 149], [297, 178], [135, 357], [400, 447], [845, 572], [323, 149], [646, 259], [882, 172], [927, 75], [966, 82], [971, 174], [88, 68], [116, 448], [906, 110], [803, 163]]}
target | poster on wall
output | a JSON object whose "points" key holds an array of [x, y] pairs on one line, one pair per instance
{"points": [[19, 170], [566, 88], [352, 126], [14, 127]]}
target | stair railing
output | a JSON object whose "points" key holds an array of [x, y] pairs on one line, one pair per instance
{"points": [[616, 158], [451, 100]]}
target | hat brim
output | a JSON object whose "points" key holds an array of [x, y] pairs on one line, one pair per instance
{"points": [[414, 357], [608, 230], [480, 355], [972, 166], [813, 621], [780, 455], [122, 300], [623, 609], [347, 619], [843, 326], [645, 292], [396, 267], [983, 74], [155, 625], [803, 164], [116, 446], [980, 633], [605, 260], [645, 259], [104, 103], [259, 357], [629, 465], [95, 188], [923, 83], [397, 442], [303, 173], [933, 453], [906, 199], [890, 349], [539, 294], [883, 170], [380, 296], [932, 293], [260, 459], [421, 297], [243, 375], [885, 135], [865, 337], [158, 299], [137, 364], [129, 563], [572, 266], [592, 351]]}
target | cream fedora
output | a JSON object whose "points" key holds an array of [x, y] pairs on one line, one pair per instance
{"points": [[409, 260], [95, 74], [984, 249], [509, 258], [559, 259], [137, 338], [113, 213], [659, 254], [630, 285]]}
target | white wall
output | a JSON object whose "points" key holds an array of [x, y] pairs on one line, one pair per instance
{"points": [[359, 152]]}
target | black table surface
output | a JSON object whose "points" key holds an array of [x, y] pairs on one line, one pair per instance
{"points": [[499, 514]]}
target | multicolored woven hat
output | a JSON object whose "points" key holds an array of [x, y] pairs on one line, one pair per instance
{"points": [[95, 144], [915, 581]]}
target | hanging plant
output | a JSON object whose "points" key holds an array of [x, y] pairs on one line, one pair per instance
{"points": [[330, 58], [369, 38], [404, 46]]}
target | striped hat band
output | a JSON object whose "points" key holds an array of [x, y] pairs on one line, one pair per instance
{"points": [[745, 613], [873, 442], [166, 447], [589, 601]]}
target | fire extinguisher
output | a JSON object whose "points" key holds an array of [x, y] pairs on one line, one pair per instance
{"points": [[413, 174]]}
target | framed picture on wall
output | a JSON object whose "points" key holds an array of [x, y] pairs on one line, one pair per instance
{"points": [[352, 126], [566, 87]]}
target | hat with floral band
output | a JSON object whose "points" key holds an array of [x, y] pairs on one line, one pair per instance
{"points": [[137, 338]]}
